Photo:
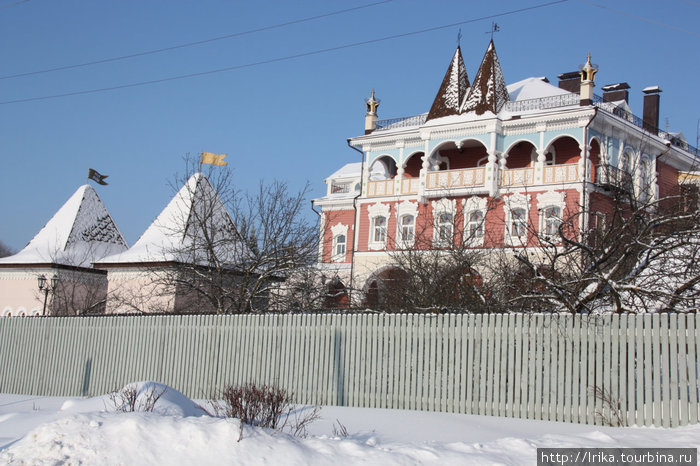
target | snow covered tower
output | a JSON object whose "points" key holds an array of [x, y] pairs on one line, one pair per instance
{"points": [[81, 232], [192, 243]]}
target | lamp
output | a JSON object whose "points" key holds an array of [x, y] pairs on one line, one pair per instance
{"points": [[47, 287]]}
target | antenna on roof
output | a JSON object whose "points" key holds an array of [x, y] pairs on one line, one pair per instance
{"points": [[459, 37], [494, 28]]}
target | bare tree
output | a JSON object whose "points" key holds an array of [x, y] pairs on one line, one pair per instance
{"points": [[5, 250], [432, 269], [644, 256], [229, 250]]}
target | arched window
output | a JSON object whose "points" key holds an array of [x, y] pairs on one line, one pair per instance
{"points": [[518, 223], [339, 242], [551, 219], [475, 228], [408, 228], [379, 230]]}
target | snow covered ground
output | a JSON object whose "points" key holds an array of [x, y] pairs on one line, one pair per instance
{"points": [[49, 430]]}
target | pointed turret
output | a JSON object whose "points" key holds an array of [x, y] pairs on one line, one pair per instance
{"points": [[453, 89], [588, 71], [488, 92], [80, 232], [193, 227]]}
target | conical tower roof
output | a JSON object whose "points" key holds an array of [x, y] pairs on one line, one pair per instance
{"points": [[80, 232], [453, 89], [194, 227], [488, 91]]}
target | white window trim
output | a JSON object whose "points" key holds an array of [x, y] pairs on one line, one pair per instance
{"points": [[374, 211], [513, 202], [443, 206], [470, 205], [337, 230], [549, 199], [403, 209]]}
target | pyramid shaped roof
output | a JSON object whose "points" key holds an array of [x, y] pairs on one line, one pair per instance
{"points": [[80, 232], [194, 228], [488, 91], [453, 89]]}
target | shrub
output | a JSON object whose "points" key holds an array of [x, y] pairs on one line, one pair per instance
{"points": [[130, 398], [265, 406], [262, 406]]}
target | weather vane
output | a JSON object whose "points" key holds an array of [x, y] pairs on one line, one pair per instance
{"points": [[494, 28], [459, 37]]}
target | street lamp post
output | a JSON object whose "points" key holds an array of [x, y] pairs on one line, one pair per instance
{"points": [[47, 286]]}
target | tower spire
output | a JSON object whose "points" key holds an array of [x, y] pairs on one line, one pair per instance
{"points": [[488, 91], [454, 87]]}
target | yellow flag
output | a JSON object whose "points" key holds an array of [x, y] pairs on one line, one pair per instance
{"points": [[214, 159]]}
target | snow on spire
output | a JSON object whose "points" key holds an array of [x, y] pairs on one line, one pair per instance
{"points": [[80, 232], [488, 91], [454, 87]]}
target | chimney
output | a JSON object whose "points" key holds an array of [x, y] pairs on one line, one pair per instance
{"points": [[371, 115], [570, 82], [615, 92], [588, 71], [651, 108]]}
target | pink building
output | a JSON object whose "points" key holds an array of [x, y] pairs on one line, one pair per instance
{"points": [[491, 166]]}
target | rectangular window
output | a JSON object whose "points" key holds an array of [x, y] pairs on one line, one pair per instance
{"points": [[552, 220], [379, 235], [339, 249], [518, 222], [445, 229], [407, 228]]}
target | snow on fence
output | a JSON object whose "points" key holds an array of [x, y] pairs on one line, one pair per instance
{"points": [[640, 370]]}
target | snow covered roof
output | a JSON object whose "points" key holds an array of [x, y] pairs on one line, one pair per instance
{"points": [[193, 226], [348, 170], [79, 233], [533, 88]]}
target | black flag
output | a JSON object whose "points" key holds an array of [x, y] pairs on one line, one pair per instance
{"points": [[97, 178]]}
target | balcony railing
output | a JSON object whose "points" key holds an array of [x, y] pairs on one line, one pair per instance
{"points": [[380, 188], [612, 177], [447, 179], [410, 185], [566, 173], [564, 100], [403, 122], [517, 177], [542, 103]]}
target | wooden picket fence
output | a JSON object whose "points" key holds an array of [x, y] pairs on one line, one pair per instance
{"points": [[631, 369]]}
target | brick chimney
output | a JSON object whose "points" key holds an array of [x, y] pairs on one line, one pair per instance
{"points": [[615, 92], [570, 81], [651, 108]]}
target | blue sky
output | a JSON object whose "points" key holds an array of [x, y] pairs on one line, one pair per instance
{"points": [[287, 119]]}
